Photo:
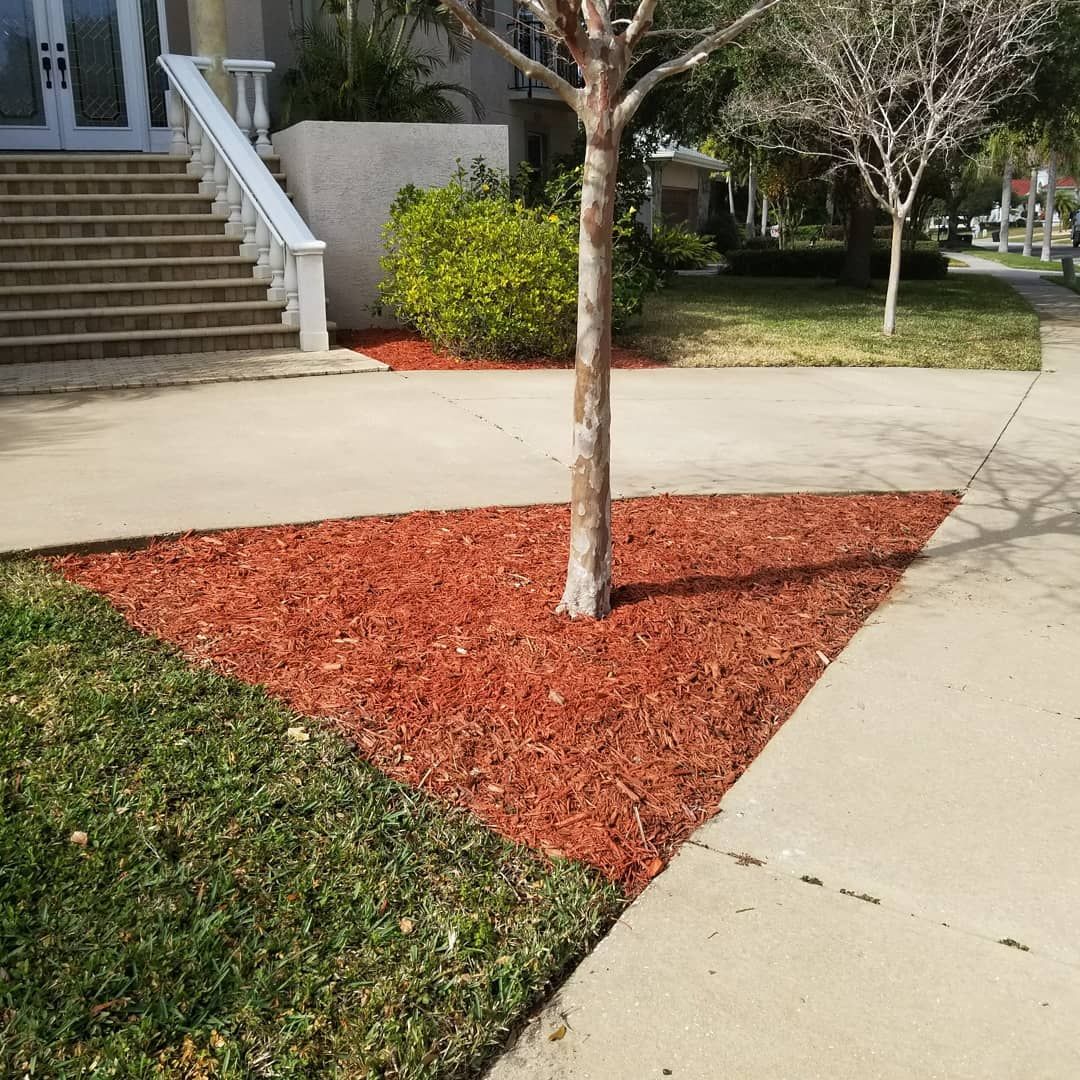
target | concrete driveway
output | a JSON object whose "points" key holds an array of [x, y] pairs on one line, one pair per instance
{"points": [[83, 468]]}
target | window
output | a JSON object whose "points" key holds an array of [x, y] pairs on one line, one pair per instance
{"points": [[536, 150]]}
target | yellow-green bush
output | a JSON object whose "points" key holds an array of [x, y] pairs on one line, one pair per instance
{"points": [[480, 274]]}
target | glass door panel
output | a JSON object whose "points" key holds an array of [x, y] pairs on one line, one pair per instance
{"points": [[28, 104], [102, 93]]}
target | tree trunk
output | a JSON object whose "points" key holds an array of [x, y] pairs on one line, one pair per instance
{"points": [[588, 574], [893, 288], [1048, 213], [860, 241], [1029, 223], [764, 215], [731, 195], [751, 199], [1006, 206]]}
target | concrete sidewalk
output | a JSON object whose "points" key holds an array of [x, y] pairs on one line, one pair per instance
{"points": [[87, 467], [893, 888]]}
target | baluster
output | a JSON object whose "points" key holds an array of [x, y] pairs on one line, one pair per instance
{"points": [[221, 184], [234, 195], [262, 241], [276, 291], [243, 110], [249, 248], [195, 138], [291, 315], [174, 112], [261, 116], [207, 186]]}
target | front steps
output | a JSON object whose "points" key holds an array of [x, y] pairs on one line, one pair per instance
{"points": [[120, 255]]}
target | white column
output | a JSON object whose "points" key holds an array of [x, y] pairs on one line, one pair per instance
{"points": [[291, 315], [261, 116], [312, 293], [276, 292], [262, 242], [221, 183], [207, 186], [174, 112], [249, 247], [235, 198], [194, 138], [243, 110]]}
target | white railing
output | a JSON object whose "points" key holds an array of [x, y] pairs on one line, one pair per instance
{"points": [[219, 150]]}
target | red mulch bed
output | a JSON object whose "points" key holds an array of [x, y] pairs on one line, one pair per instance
{"points": [[405, 350], [431, 639]]}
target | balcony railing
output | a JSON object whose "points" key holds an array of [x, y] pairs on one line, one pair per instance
{"points": [[531, 38]]}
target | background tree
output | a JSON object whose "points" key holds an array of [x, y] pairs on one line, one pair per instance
{"points": [[605, 47], [893, 83], [379, 65]]}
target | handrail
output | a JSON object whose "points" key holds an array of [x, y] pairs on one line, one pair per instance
{"points": [[249, 169], [273, 235]]}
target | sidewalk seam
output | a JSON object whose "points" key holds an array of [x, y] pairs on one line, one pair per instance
{"points": [[881, 903], [1001, 433], [457, 404]]}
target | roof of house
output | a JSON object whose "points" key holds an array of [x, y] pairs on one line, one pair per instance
{"points": [[1022, 187], [685, 156]]}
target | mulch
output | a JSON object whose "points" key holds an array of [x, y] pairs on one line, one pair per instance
{"points": [[405, 350], [431, 640]]}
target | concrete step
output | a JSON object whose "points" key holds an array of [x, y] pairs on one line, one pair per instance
{"points": [[53, 183], [109, 204], [31, 228], [83, 183], [99, 346], [21, 326], [123, 271], [73, 249], [136, 294], [125, 164]]}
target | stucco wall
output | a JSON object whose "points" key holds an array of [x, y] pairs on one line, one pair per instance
{"points": [[344, 178]]}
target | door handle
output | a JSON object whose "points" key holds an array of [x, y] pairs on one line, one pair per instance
{"points": [[61, 65], [46, 63]]}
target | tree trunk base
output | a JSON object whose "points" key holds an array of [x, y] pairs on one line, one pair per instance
{"points": [[587, 594]]}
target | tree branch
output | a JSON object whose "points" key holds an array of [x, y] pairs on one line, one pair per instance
{"points": [[533, 68], [693, 56]]}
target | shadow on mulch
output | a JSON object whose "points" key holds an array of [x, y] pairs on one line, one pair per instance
{"points": [[405, 350], [431, 640]]}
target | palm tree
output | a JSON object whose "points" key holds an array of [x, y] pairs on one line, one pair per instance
{"points": [[373, 69], [1005, 148]]}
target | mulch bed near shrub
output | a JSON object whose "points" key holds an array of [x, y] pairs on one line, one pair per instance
{"points": [[431, 640], [405, 350]]}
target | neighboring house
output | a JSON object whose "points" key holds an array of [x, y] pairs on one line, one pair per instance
{"points": [[681, 186], [1021, 187]]}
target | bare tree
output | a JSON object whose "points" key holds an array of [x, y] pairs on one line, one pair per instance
{"points": [[892, 83], [603, 47]]}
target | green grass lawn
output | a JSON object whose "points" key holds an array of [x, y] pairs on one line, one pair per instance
{"points": [[249, 899], [1014, 259], [965, 321]]}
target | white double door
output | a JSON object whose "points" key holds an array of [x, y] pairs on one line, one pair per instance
{"points": [[73, 75]]}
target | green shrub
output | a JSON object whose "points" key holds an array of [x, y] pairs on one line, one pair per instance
{"points": [[675, 247], [721, 227], [827, 263], [760, 243], [481, 277]]}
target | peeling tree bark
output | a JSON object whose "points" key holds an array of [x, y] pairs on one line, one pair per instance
{"points": [[588, 574]]}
